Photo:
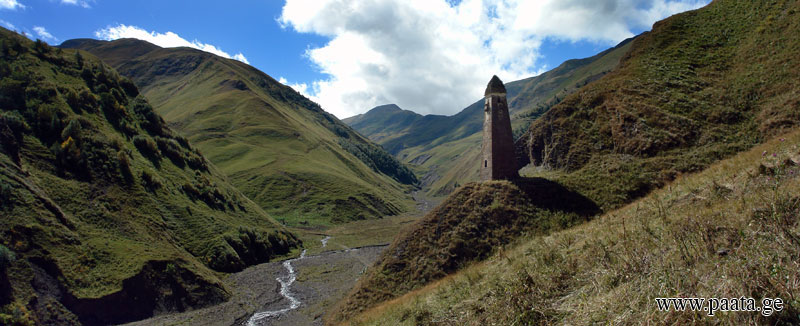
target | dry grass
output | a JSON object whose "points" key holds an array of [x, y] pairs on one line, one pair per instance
{"points": [[469, 226], [668, 244]]}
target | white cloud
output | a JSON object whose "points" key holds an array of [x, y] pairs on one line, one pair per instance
{"points": [[434, 57], [166, 40], [44, 34], [11, 4], [8, 25], [81, 3], [301, 88]]}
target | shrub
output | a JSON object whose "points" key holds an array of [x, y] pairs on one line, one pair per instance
{"points": [[184, 142], [73, 100], [6, 257], [152, 122], [128, 128], [171, 149], [196, 162], [5, 194], [191, 190], [88, 76], [78, 60], [147, 147], [12, 127], [125, 166], [68, 154], [119, 96], [12, 94], [150, 182], [88, 100], [129, 88], [41, 48], [207, 192], [73, 129]]}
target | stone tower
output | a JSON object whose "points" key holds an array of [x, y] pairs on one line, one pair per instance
{"points": [[498, 156]]}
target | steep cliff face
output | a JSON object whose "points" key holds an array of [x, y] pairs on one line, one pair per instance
{"points": [[108, 215], [700, 86]]}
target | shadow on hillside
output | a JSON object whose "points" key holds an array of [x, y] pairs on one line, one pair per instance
{"points": [[553, 196]]}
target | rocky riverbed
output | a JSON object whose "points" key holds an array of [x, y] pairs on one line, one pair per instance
{"points": [[320, 281]]}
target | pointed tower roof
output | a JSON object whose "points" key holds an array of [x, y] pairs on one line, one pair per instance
{"points": [[495, 86]]}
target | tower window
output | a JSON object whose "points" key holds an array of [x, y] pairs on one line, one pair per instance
{"points": [[485, 163]]}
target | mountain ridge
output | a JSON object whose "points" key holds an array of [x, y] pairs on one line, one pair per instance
{"points": [[282, 150], [104, 205]]}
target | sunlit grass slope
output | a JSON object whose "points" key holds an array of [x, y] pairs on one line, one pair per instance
{"points": [[701, 86], [107, 214], [726, 232], [466, 227], [298, 162]]}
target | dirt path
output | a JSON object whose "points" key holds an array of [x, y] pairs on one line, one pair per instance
{"points": [[321, 280]]}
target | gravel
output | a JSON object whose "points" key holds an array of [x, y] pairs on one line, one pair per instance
{"points": [[322, 280]]}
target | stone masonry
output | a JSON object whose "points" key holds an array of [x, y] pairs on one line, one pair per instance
{"points": [[498, 156]]}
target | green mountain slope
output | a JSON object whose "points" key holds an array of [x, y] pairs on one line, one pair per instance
{"points": [[107, 215], [702, 86], [298, 162], [730, 231], [444, 149], [699, 87]]}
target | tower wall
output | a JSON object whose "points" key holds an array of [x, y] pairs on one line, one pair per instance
{"points": [[498, 158]]}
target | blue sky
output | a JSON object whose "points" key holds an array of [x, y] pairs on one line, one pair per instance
{"points": [[249, 28], [429, 56]]}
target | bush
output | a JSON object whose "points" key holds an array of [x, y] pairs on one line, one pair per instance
{"points": [[147, 147], [88, 101], [129, 88], [196, 162], [152, 122], [12, 94], [73, 129], [12, 128], [150, 182], [125, 166], [5, 194], [207, 192], [171, 149], [68, 154], [6, 257]]}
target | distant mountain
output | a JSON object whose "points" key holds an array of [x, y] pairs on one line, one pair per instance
{"points": [[108, 215], [444, 149], [298, 162], [695, 89]]}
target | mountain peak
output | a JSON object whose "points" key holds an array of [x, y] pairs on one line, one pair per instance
{"points": [[495, 86], [387, 108]]}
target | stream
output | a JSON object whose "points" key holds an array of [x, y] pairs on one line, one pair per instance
{"points": [[286, 292], [289, 298]]}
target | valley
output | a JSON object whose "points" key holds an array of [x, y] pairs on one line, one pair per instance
{"points": [[143, 184], [320, 280], [299, 163]]}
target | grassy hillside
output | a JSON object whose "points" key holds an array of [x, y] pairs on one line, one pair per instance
{"points": [[298, 162], [465, 228], [444, 149], [729, 231], [103, 206], [699, 87]]}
